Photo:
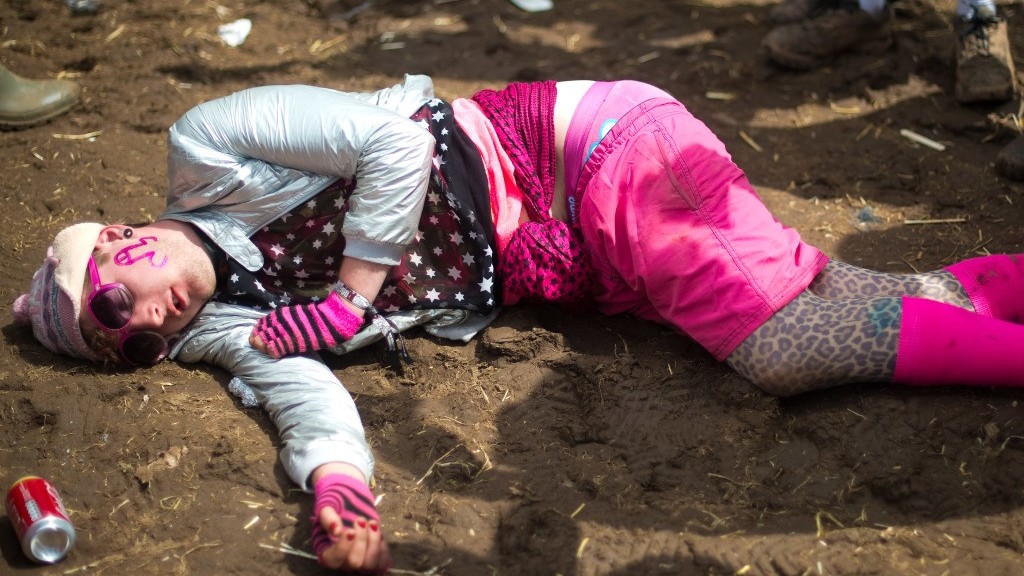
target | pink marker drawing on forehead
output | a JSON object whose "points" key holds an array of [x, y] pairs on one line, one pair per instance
{"points": [[124, 256]]}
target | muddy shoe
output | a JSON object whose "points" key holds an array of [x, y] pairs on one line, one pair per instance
{"points": [[791, 11], [984, 65], [1010, 162], [808, 44], [25, 102]]}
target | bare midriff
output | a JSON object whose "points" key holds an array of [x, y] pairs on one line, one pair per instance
{"points": [[568, 98]]}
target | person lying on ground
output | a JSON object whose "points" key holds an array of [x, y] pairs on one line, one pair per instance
{"points": [[303, 219]]}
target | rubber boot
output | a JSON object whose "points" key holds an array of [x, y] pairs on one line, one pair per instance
{"points": [[25, 102], [984, 65]]}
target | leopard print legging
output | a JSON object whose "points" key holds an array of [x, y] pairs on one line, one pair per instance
{"points": [[844, 328]]}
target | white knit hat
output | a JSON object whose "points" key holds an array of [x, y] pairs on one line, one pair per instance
{"points": [[53, 304]]}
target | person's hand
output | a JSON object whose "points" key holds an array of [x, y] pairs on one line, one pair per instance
{"points": [[346, 524], [306, 327], [361, 548]]}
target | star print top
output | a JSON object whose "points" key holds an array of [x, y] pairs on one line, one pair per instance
{"points": [[545, 259], [448, 265]]}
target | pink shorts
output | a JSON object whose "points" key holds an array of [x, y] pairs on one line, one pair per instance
{"points": [[678, 235]]}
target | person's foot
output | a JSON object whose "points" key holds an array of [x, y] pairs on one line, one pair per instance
{"points": [[25, 102], [808, 44], [984, 65]]}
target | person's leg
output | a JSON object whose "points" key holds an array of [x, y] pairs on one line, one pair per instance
{"points": [[984, 63], [677, 234], [842, 281], [813, 343], [989, 285]]}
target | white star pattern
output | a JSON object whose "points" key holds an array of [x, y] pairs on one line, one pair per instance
{"points": [[452, 264]]}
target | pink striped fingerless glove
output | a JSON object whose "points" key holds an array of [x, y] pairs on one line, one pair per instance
{"points": [[308, 327], [349, 497]]}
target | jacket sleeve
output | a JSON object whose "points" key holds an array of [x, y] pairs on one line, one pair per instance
{"points": [[315, 416], [239, 149]]}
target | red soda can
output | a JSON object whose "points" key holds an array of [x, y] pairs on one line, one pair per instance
{"points": [[40, 520]]}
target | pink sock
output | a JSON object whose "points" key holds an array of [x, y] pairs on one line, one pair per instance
{"points": [[941, 344], [995, 285]]}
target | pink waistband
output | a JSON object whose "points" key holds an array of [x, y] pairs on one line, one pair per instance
{"points": [[603, 105], [575, 153]]}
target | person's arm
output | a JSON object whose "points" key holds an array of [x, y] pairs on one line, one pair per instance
{"points": [[221, 150], [260, 146], [320, 429]]}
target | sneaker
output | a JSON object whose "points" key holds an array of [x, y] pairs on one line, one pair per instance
{"points": [[984, 65], [808, 44], [791, 11]]}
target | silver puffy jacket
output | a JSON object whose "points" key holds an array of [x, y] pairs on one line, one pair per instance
{"points": [[238, 163]]}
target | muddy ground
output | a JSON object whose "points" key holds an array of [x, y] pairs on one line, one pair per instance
{"points": [[551, 444]]}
